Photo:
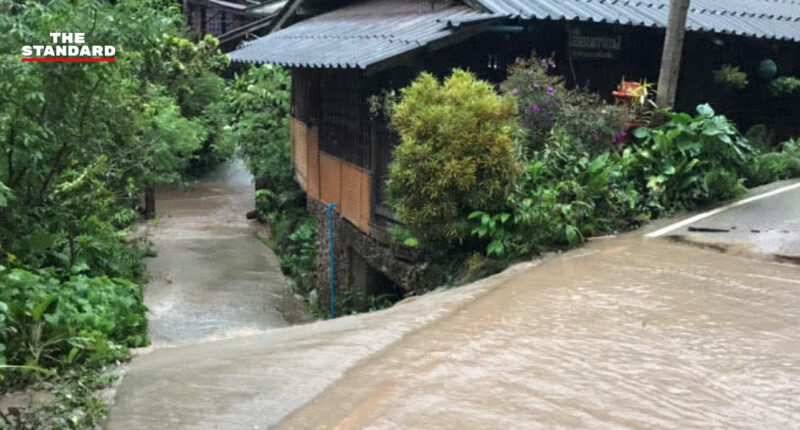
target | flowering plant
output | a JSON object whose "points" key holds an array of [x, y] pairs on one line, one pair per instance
{"points": [[545, 101]]}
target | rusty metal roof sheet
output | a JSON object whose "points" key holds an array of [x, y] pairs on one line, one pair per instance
{"points": [[361, 34], [773, 19]]}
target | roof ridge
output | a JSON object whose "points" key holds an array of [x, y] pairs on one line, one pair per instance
{"points": [[759, 18]]}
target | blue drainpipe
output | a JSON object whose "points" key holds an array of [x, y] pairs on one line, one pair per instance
{"points": [[333, 267]]}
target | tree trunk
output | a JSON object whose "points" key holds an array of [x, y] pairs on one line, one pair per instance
{"points": [[150, 201], [671, 58]]}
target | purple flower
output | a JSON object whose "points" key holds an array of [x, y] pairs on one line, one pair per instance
{"points": [[596, 138], [549, 113], [536, 86], [537, 109], [550, 90]]}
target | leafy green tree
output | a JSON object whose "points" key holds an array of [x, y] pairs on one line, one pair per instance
{"points": [[78, 144], [456, 155], [259, 103], [60, 118]]}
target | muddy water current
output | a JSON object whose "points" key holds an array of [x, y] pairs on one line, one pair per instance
{"points": [[625, 333]]}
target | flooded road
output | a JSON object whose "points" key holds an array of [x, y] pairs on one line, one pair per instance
{"points": [[627, 333], [211, 276]]}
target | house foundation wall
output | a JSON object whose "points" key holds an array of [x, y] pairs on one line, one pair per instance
{"points": [[357, 255]]}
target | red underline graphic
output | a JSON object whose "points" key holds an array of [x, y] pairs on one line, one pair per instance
{"points": [[68, 60]]}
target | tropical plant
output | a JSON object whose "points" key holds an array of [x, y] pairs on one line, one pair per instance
{"points": [[642, 104], [456, 154], [545, 102], [676, 162], [784, 86], [53, 324], [565, 194], [731, 77], [774, 166]]}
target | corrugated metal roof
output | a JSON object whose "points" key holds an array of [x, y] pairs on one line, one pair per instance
{"points": [[359, 35], [268, 8], [774, 19]]}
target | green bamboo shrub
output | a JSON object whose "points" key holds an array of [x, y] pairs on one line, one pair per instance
{"points": [[456, 154]]}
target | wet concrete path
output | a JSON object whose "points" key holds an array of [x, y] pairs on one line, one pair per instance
{"points": [[624, 333], [212, 277]]}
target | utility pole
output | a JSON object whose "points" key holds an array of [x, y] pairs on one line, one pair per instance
{"points": [[671, 58]]}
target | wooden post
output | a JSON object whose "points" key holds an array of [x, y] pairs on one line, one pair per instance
{"points": [[671, 58]]}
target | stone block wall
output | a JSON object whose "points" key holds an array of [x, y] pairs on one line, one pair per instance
{"points": [[353, 248]]}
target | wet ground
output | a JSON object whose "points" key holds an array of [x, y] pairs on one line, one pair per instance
{"points": [[627, 332], [767, 228], [212, 276]]}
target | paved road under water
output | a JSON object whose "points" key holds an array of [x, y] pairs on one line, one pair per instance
{"points": [[624, 333], [211, 276]]}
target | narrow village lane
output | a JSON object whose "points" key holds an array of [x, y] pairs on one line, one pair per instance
{"points": [[211, 275]]}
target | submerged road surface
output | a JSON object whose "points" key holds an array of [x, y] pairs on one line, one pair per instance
{"points": [[623, 333], [211, 276]]}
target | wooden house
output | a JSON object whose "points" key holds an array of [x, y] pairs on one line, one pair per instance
{"points": [[340, 52], [231, 21]]}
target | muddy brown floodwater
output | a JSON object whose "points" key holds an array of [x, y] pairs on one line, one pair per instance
{"points": [[631, 333], [212, 277]]}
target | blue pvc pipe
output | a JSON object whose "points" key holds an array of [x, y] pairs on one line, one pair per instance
{"points": [[332, 265]]}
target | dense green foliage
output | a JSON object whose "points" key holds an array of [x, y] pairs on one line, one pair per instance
{"points": [[583, 174], [259, 104], [456, 154], [731, 77], [51, 323], [69, 170], [568, 194], [689, 161], [772, 166], [565, 194], [79, 142], [784, 86], [545, 103]]}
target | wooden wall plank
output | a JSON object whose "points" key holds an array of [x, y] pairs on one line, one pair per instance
{"points": [[299, 135], [330, 172], [366, 195], [313, 179]]}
